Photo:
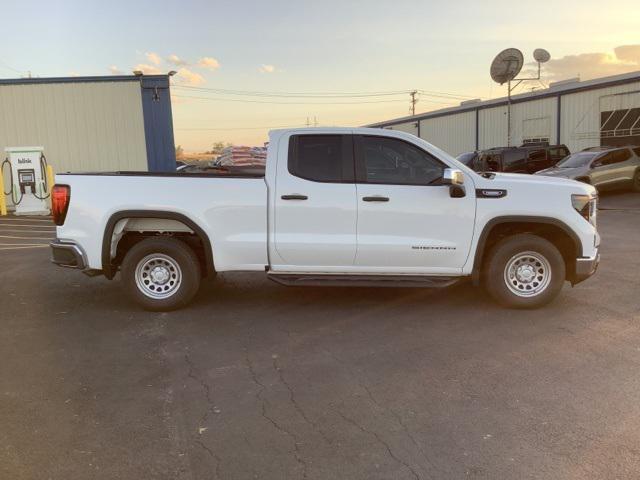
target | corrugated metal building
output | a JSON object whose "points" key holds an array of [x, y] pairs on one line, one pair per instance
{"points": [[91, 123], [603, 111]]}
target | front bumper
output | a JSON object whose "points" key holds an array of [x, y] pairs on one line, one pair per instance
{"points": [[585, 267], [67, 254]]}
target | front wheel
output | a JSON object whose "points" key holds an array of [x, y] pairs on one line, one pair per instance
{"points": [[161, 273], [524, 271]]}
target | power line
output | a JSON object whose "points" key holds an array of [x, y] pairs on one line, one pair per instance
{"points": [[257, 93], [240, 128], [9, 67], [273, 102], [217, 99], [431, 93]]}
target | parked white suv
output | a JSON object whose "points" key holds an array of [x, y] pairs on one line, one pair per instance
{"points": [[334, 206]]}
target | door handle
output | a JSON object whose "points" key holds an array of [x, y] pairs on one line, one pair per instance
{"points": [[377, 198], [294, 196]]}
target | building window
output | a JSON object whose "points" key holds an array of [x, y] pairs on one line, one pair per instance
{"points": [[620, 127]]}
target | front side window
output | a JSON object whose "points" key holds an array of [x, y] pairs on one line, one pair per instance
{"points": [[621, 156], [321, 158], [606, 159], [393, 161]]}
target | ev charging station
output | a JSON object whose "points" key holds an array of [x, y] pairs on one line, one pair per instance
{"points": [[28, 180]]}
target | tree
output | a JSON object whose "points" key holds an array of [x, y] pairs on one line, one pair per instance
{"points": [[217, 147], [179, 151]]}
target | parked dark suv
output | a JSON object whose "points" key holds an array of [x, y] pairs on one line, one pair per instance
{"points": [[524, 159]]}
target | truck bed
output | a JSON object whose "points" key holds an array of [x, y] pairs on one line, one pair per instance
{"points": [[231, 208]]}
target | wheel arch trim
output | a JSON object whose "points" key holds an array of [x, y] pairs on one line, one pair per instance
{"points": [[110, 272], [489, 226]]}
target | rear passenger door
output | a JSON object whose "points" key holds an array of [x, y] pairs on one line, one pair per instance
{"points": [[315, 210]]}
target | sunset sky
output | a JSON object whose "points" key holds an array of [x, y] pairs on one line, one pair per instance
{"points": [[311, 48]]}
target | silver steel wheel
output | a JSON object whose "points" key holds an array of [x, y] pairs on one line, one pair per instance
{"points": [[527, 274], [158, 276]]}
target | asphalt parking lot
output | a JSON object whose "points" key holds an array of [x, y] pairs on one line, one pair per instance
{"points": [[256, 380]]}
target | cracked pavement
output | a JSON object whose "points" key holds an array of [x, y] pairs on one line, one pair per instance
{"points": [[260, 381]]}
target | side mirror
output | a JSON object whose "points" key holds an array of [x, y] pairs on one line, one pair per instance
{"points": [[452, 176], [597, 163], [455, 179]]}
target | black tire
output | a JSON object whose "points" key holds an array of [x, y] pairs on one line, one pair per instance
{"points": [[635, 186], [177, 266], [532, 252]]}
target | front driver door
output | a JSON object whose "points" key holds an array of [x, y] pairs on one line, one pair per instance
{"points": [[407, 220]]}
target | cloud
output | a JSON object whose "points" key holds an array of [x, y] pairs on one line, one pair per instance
{"points": [[153, 58], [209, 63], [188, 77], [176, 60], [267, 68], [628, 53], [115, 70], [147, 69], [625, 58]]}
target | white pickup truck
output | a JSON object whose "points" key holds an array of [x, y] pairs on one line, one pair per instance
{"points": [[334, 206]]}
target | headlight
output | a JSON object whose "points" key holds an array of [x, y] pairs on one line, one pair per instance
{"points": [[586, 206]]}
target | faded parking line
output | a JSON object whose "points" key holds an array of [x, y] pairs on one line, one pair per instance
{"points": [[26, 238]]}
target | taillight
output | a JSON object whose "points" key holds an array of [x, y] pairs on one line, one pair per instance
{"points": [[60, 196]]}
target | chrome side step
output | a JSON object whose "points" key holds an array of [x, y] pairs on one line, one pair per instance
{"points": [[291, 280]]}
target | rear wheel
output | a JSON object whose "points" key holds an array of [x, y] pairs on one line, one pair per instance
{"points": [[161, 273], [524, 271]]}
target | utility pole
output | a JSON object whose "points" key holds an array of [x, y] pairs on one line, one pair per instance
{"points": [[315, 121], [308, 123], [414, 100]]}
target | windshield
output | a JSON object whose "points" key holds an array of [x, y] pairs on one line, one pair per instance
{"points": [[579, 159], [466, 158]]}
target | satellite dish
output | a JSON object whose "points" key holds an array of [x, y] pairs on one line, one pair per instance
{"points": [[541, 55], [506, 65]]}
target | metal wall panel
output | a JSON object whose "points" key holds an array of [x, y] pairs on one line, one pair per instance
{"points": [[492, 131], [82, 126], [580, 114], [411, 127], [454, 134], [533, 119]]}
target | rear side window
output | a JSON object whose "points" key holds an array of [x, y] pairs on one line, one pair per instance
{"points": [[537, 155], [513, 157], [321, 158]]}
